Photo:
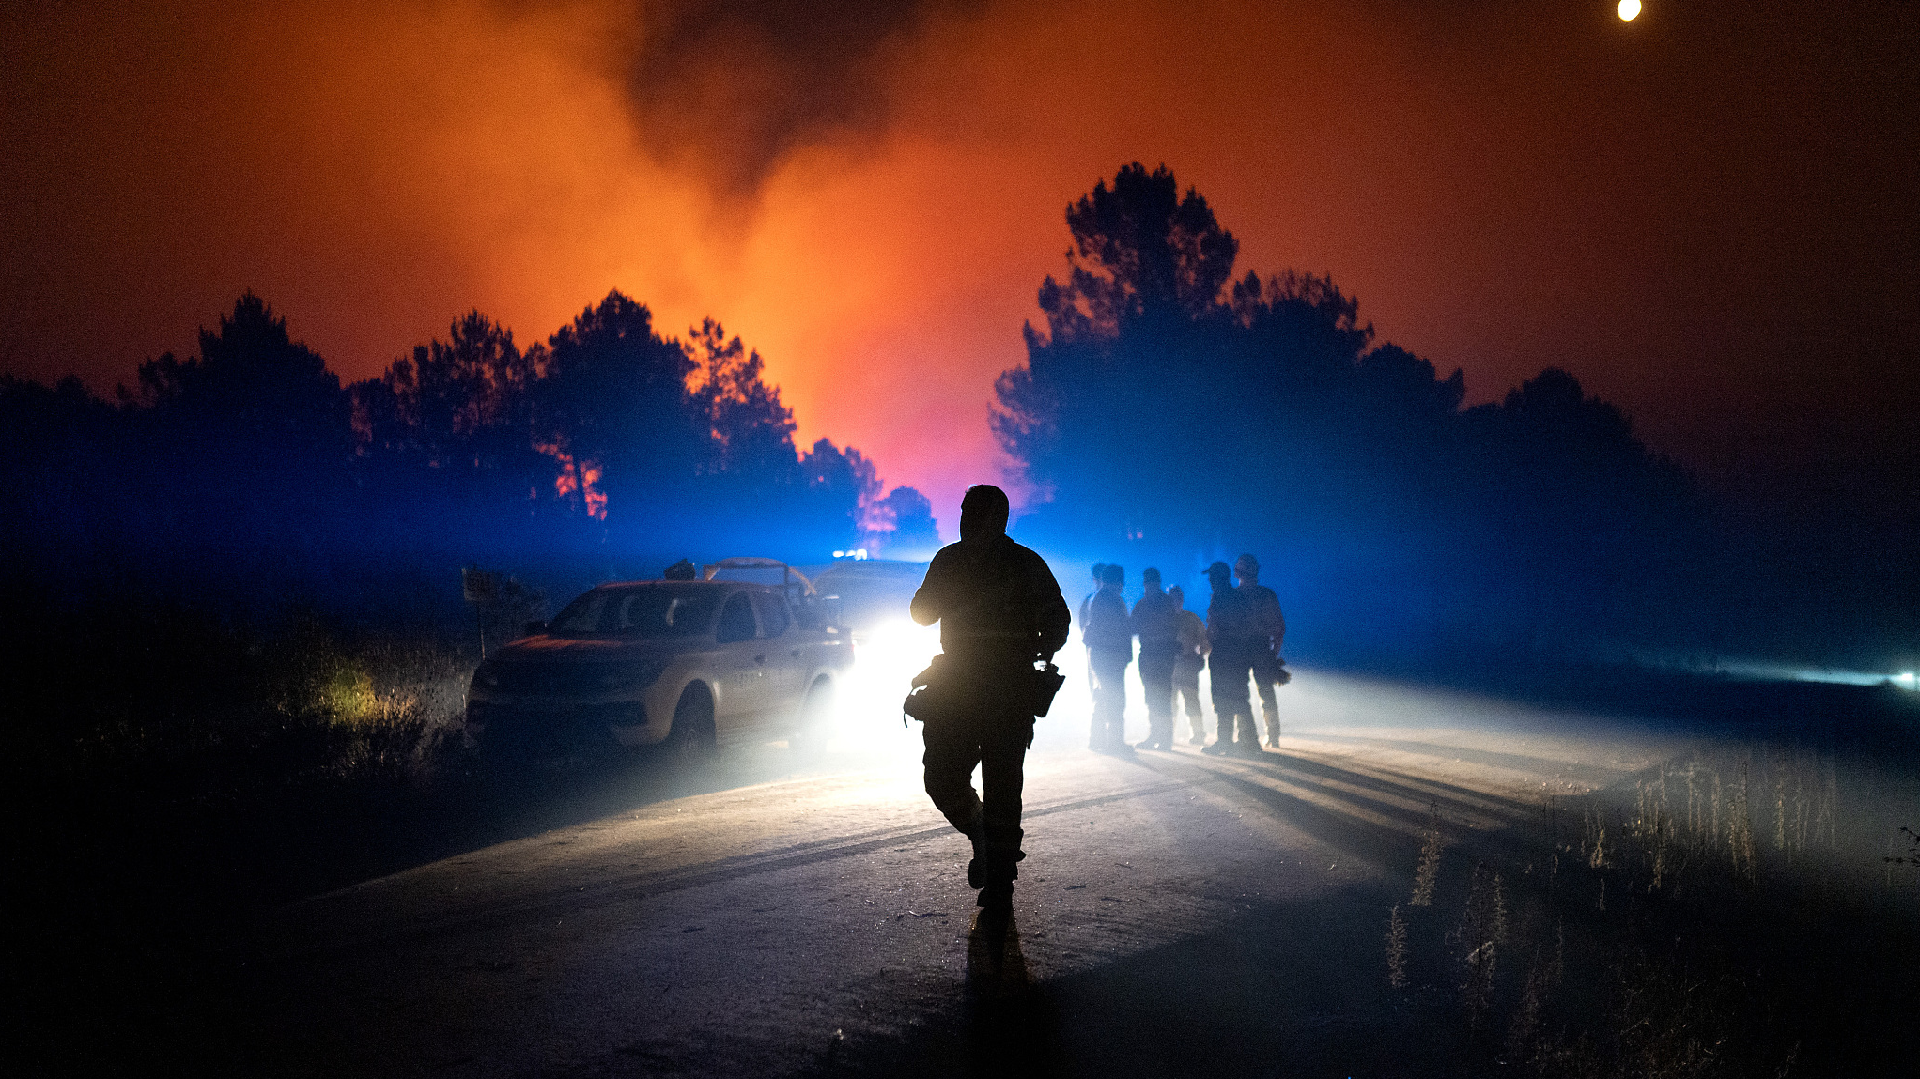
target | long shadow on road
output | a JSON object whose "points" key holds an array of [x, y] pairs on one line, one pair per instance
{"points": [[1286, 988], [477, 808], [1708, 974]]}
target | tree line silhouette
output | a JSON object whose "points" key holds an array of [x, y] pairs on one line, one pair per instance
{"points": [[250, 467], [1171, 411]]}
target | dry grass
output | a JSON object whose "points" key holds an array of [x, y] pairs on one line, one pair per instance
{"points": [[1477, 940], [1396, 949], [1663, 940], [1428, 872], [174, 772], [382, 707]]}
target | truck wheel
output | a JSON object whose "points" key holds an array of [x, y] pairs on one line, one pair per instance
{"points": [[691, 738], [816, 719]]}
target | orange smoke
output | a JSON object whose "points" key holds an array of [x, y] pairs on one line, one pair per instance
{"points": [[1503, 188]]}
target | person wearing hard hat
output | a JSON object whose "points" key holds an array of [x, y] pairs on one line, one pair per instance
{"points": [[1268, 630], [1230, 631]]}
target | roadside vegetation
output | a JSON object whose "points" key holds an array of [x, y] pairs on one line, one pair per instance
{"points": [[173, 772], [182, 704], [1729, 915]]}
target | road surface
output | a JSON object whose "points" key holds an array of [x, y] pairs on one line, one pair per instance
{"points": [[1177, 912]]}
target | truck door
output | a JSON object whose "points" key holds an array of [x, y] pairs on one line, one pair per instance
{"points": [[788, 663], [741, 663]]}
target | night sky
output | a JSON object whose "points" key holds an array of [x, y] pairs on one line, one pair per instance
{"points": [[1708, 215]]}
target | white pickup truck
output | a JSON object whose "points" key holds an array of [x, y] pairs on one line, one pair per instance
{"points": [[687, 664]]}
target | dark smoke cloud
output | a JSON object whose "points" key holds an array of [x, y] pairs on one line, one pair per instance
{"points": [[1707, 215], [733, 86]]}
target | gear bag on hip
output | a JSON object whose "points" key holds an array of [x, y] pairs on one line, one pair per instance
{"points": [[942, 690]]}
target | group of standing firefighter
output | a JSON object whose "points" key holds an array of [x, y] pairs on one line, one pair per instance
{"points": [[1002, 618], [1240, 640]]}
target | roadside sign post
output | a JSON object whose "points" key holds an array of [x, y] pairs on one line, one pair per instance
{"points": [[479, 588]]}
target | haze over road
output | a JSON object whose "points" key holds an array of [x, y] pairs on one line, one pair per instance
{"points": [[815, 918]]}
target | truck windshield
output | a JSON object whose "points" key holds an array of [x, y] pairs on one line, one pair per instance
{"points": [[646, 611]]}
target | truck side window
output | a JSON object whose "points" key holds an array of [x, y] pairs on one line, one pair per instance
{"points": [[773, 613], [736, 620]]}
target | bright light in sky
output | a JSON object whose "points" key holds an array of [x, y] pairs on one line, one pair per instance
{"points": [[1629, 9], [1904, 680]]}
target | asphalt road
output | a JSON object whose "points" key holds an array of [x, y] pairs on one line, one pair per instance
{"points": [[810, 916]]}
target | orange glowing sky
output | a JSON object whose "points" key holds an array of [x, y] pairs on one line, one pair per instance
{"points": [[1706, 215]]}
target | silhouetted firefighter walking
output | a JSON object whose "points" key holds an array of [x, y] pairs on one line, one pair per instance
{"points": [[1000, 613]]}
